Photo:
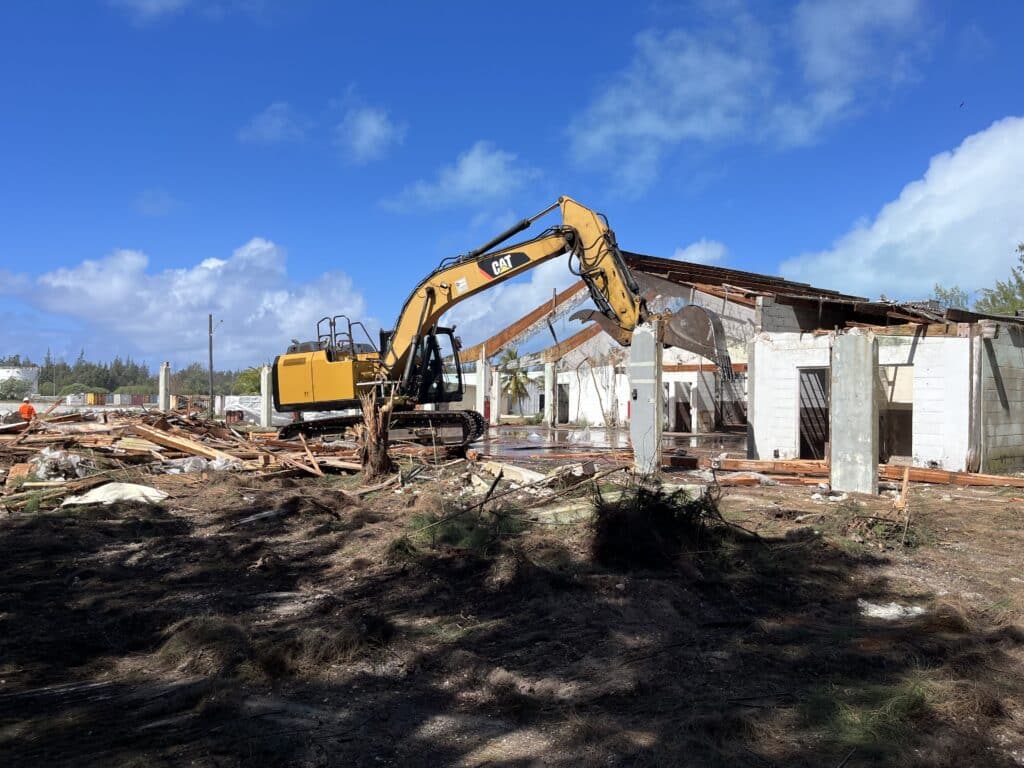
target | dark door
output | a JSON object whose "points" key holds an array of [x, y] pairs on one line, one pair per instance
{"points": [[562, 416], [813, 412]]}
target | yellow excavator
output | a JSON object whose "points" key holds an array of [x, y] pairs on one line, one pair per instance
{"points": [[418, 362]]}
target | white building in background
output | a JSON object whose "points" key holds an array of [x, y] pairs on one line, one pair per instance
{"points": [[27, 373]]}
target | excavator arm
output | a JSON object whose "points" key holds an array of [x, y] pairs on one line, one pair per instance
{"points": [[594, 256]]}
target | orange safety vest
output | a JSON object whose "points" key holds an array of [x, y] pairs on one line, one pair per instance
{"points": [[27, 411]]}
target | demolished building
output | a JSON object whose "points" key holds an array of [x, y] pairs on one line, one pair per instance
{"points": [[949, 384]]}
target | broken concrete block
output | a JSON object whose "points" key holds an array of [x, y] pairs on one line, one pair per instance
{"points": [[512, 472], [571, 473]]}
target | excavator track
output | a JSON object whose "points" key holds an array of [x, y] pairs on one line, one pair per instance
{"points": [[448, 429]]}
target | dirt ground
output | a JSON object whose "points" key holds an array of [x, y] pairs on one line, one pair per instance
{"points": [[330, 633]]}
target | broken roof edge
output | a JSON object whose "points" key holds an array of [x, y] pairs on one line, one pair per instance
{"points": [[902, 313], [733, 279]]}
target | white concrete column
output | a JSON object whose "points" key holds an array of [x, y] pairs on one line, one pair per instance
{"points": [[647, 398], [482, 374], [853, 413], [267, 402], [164, 387], [495, 397], [550, 395]]}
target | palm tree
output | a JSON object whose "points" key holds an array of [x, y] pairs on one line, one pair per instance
{"points": [[516, 382]]}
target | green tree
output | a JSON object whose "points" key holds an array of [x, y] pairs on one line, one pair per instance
{"points": [[516, 382], [1007, 296], [14, 389], [80, 388], [247, 382], [951, 298]]}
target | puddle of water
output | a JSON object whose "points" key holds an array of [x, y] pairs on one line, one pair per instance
{"points": [[537, 440]]}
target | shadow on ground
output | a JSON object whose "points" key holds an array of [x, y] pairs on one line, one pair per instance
{"points": [[130, 638]]}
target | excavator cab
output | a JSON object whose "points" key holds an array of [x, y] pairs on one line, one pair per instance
{"points": [[434, 374]]}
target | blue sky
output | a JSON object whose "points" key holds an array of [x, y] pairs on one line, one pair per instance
{"points": [[273, 162]]}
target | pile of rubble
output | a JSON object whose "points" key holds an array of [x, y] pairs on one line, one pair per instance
{"points": [[54, 456], [48, 460]]}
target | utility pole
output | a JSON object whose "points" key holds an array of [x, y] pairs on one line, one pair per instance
{"points": [[211, 364]]}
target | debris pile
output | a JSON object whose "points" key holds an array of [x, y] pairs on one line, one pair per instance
{"points": [[742, 472], [53, 457]]}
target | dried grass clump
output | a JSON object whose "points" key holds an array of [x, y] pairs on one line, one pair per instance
{"points": [[205, 645], [469, 528], [648, 527], [309, 651]]}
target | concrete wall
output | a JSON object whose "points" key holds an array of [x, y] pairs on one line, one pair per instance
{"points": [[596, 393], [942, 381], [250, 406], [941, 388], [773, 410], [1002, 401]]}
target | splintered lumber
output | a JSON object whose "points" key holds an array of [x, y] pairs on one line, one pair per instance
{"points": [[19, 472], [182, 444], [332, 463], [943, 477], [16, 500], [741, 479], [310, 456], [784, 467], [811, 468], [53, 407], [136, 445]]}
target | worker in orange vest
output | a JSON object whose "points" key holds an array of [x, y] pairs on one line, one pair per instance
{"points": [[26, 410]]}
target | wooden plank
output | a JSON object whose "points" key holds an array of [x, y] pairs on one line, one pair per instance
{"points": [[19, 472], [348, 466], [52, 408], [497, 342], [768, 467], [908, 329], [183, 444], [555, 353], [697, 367], [309, 455], [941, 476]]}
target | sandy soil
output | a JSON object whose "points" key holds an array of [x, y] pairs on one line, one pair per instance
{"points": [[325, 635]]}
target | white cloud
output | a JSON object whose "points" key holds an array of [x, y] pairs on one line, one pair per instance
{"points": [[843, 46], [276, 124], [366, 133], [162, 315], [146, 11], [483, 173], [149, 10], [702, 252], [156, 203], [728, 82], [958, 224]]}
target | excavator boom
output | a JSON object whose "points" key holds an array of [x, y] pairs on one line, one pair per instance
{"points": [[583, 234]]}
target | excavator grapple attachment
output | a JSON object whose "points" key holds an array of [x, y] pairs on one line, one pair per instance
{"points": [[692, 328], [696, 329]]}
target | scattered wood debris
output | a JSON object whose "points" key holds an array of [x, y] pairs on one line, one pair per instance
{"points": [[158, 444], [808, 472]]}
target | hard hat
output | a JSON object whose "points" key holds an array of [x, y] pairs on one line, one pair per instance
{"points": [[25, 400]]}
